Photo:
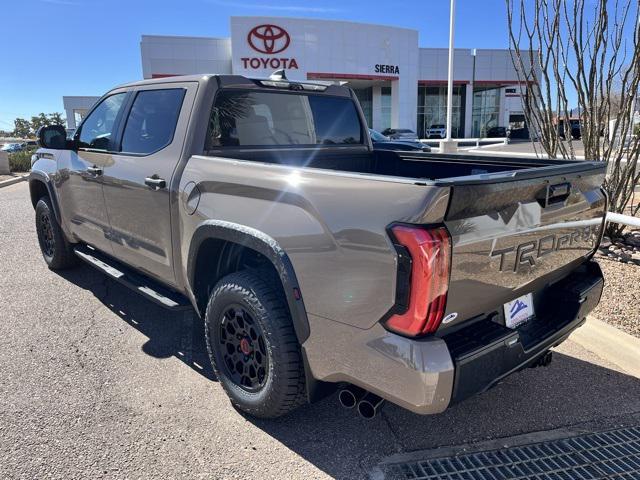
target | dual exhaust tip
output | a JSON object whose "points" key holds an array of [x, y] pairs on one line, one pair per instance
{"points": [[366, 403], [369, 404]]}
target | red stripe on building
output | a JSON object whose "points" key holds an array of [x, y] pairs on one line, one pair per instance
{"points": [[347, 76], [500, 82], [442, 82], [164, 75]]}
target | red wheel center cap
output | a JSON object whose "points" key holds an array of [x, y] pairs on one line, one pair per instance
{"points": [[245, 346]]}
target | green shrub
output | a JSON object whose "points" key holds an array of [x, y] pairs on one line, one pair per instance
{"points": [[20, 161]]}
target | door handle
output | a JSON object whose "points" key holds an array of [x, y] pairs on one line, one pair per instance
{"points": [[155, 182], [95, 170]]}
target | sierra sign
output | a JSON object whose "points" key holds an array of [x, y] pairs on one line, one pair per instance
{"points": [[270, 40], [379, 68]]}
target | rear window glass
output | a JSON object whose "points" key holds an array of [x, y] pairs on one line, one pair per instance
{"points": [[242, 118]]}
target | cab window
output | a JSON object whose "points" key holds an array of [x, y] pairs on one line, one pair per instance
{"points": [[98, 128], [152, 120], [242, 118]]}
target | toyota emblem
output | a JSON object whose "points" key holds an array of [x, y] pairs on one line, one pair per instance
{"points": [[268, 39]]}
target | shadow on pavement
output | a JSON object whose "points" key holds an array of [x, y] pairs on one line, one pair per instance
{"points": [[169, 333], [340, 443]]}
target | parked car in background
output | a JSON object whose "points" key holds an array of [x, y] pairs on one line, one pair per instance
{"points": [[12, 147], [575, 129], [382, 142], [437, 130], [29, 144], [520, 133], [497, 132], [400, 134]]}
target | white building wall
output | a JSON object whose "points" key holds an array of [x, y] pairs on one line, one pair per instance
{"points": [[163, 55], [73, 104], [492, 65], [468, 109], [336, 49]]}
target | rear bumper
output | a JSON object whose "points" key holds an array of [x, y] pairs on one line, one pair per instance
{"points": [[486, 352], [429, 374]]}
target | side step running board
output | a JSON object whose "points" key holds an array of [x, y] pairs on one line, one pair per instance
{"points": [[135, 281]]}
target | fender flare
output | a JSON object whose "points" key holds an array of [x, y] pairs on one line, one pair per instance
{"points": [[263, 244], [38, 176]]}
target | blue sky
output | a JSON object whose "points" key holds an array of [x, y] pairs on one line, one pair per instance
{"points": [[53, 48]]}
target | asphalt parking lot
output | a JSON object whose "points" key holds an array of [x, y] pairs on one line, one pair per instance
{"points": [[97, 382], [525, 147]]}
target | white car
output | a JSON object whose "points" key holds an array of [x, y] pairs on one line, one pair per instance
{"points": [[12, 147], [437, 131]]}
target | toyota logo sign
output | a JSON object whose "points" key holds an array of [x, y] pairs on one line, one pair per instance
{"points": [[268, 39]]}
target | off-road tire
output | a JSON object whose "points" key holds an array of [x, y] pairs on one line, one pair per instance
{"points": [[284, 386], [56, 250]]}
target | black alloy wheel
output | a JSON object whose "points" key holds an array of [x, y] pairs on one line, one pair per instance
{"points": [[252, 345], [56, 250], [243, 349], [48, 242]]}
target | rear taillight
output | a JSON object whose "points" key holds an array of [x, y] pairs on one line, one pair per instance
{"points": [[430, 251]]}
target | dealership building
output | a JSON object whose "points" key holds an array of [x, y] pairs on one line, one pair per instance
{"points": [[399, 84]]}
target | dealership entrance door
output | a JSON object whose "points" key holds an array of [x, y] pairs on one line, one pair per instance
{"points": [[432, 108]]}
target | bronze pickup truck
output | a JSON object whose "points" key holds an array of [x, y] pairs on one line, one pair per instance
{"points": [[316, 261]]}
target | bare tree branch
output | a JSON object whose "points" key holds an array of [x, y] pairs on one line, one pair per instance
{"points": [[565, 47]]}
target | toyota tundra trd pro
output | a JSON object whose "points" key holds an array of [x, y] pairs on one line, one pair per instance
{"points": [[316, 261]]}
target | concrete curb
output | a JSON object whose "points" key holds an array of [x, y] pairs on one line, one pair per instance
{"points": [[610, 343], [11, 181]]}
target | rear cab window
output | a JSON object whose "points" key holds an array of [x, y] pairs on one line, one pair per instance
{"points": [[242, 118]]}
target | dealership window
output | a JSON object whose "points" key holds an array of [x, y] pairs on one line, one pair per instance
{"points": [[486, 110], [385, 108], [365, 97], [432, 109]]}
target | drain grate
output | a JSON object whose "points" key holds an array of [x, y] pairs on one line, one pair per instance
{"points": [[607, 455]]}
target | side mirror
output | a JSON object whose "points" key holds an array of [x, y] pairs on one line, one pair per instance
{"points": [[52, 136]]}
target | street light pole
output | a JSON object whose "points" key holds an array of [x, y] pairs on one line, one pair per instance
{"points": [[473, 86], [447, 145]]}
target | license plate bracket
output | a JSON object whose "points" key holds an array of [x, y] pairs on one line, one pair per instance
{"points": [[518, 311]]}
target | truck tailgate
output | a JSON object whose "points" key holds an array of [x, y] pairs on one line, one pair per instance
{"points": [[515, 233]]}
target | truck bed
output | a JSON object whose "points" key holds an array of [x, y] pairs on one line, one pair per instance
{"points": [[432, 167], [516, 225]]}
